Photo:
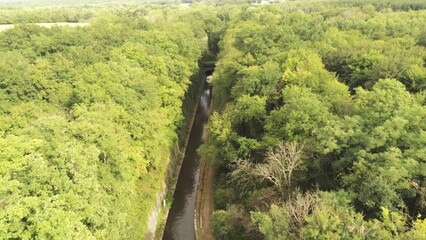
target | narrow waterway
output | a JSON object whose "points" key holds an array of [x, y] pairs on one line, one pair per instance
{"points": [[180, 221]]}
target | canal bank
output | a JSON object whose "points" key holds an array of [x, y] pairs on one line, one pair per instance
{"points": [[180, 220], [204, 200], [159, 212]]}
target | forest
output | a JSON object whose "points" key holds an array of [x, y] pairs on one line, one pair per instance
{"points": [[319, 123], [318, 129], [88, 119]]}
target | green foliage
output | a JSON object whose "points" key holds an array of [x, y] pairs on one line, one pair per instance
{"points": [[346, 79], [220, 224], [418, 232], [302, 113], [379, 158], [88, 116], [274, 224], [232, 223], [335, 219]]}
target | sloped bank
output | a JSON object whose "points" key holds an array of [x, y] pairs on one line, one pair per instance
{"points": [[204, 199], [158, 215]]}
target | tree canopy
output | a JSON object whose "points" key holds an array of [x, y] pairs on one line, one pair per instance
{"points": [[318, 129], [88, 118], [341, 82]]}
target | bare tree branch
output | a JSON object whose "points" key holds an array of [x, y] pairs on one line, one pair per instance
{"points": [[280, 165], [243, 175], [300, 207]]}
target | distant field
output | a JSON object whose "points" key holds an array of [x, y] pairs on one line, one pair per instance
{"points": [[60, 3], [47, 25]]}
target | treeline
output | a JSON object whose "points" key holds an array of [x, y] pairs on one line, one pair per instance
{"points": [[50, 11], [18, 4], [10, 16], [88, 120], [319, 130], [48, 14], [396, 5], [82, 11]]}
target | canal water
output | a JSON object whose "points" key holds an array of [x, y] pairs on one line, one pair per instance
{"points": [[180, 221]]}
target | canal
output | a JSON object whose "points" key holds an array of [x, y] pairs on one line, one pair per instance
{"points": [[180, 220]]}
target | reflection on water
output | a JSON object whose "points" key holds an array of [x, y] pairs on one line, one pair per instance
{"points": [[180, 221]]}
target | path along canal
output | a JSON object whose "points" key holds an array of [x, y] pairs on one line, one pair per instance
{"points": [[180, 220]]}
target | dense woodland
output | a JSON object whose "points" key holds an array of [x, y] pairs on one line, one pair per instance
{"points": [[318, 132], [319, 128], [89, 117]]}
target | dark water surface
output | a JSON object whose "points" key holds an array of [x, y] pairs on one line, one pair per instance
{"points": [[180, 221]]}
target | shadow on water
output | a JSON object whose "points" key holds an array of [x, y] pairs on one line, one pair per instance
{"points": [[180, 221]]}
